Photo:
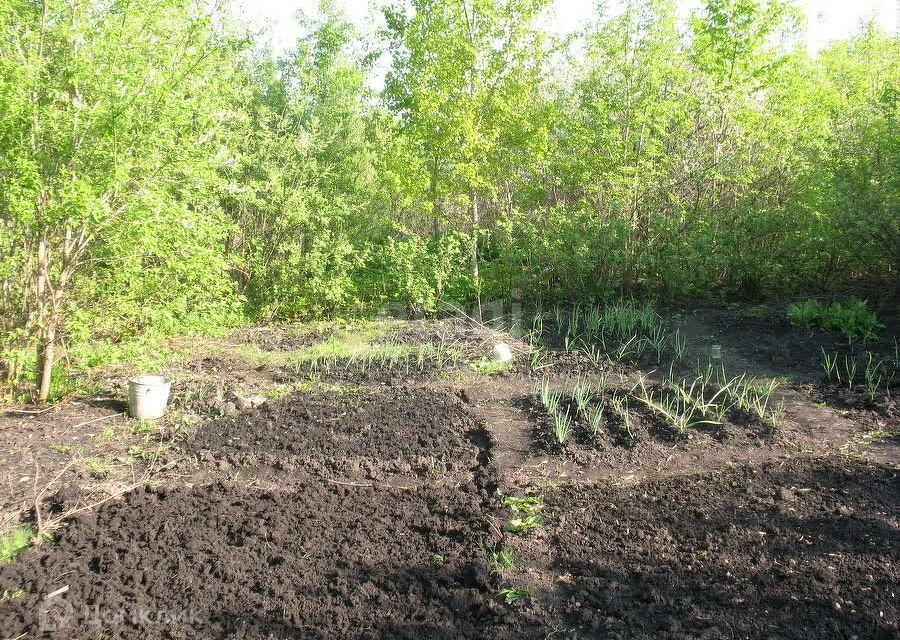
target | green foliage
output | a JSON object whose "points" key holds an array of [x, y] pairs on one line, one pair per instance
{"points": [[852, 317], [806, 314], [416, 273], [502, 560], [489, 367], [160, 174], [510, 594], [14, 541]]}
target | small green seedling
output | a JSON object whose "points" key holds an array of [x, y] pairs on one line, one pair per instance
{"points": [[501, 561], [829, 365], [518, 525], [13, 542], [594, 416], [528, 505], [510, 594], [562, 426]]}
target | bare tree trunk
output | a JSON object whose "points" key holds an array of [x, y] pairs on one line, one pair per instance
{"points": [[51, 305]]}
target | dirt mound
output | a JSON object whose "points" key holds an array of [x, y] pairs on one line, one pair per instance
{"points": [[222, 562], [360, 434], [800, 551]]}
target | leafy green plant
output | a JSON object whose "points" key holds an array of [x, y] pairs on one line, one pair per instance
{"points": [[14, 541], [852, 317], [489, 367], [510, 594], [806, 314], [501, 560], [528, 505]]}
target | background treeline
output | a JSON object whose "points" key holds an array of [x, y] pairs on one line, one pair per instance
{"points": [[161, 172]]}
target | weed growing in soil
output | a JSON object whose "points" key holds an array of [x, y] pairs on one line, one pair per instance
{"points": [[14, 541], [525, 513], [502, 560], [518, 525], [62, 448], [99, 469], [510, 595], [12, 594], [528, 505]]}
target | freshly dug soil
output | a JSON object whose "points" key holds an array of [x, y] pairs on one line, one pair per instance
{"points": [[804, 550], [882, 408], [771, 340], [362, 434], [320, 562]]}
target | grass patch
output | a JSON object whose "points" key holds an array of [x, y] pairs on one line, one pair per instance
{"points": [[13, 542], [489, 367], [62, 448], [98, 468]]}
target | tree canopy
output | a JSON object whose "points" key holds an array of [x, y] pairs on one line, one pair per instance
{"points": [[162, 171]]}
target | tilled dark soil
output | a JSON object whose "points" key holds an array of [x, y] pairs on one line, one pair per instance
{"points": [[362, 434], [647, 439], [804, 550], [771, 340], [320, 561]]}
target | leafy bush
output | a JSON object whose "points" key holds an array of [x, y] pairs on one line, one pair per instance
{"points": [[852, 317], [806, 314]]}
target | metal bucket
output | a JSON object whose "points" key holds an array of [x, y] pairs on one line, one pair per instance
{"points": [[148, 396]]}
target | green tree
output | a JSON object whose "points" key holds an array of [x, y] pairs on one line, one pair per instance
{"points": [[109, 115], [460, 73]]}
